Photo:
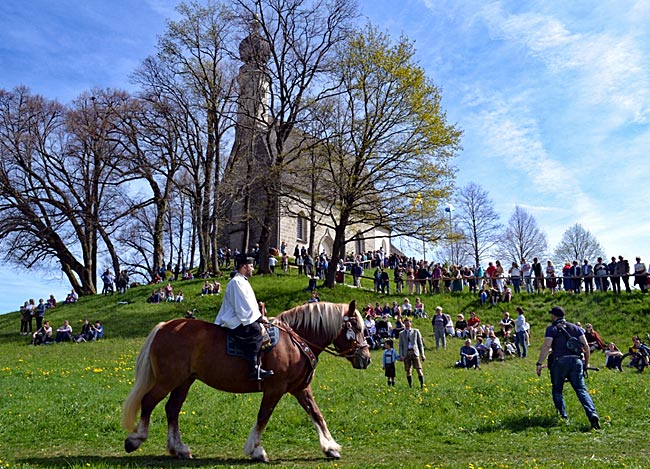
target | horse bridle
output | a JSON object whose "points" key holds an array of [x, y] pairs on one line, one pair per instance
{"points": [[351, 335]]}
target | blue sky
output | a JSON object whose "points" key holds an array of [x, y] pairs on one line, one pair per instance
{"points": [[553, 97]]}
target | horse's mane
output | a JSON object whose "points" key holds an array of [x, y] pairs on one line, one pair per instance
{"points": [[323, 318]]}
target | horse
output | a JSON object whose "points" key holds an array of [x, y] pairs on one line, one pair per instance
{"points": [[180, 351]]}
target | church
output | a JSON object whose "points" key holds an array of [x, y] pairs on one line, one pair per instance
{"points": [[300, 207]]}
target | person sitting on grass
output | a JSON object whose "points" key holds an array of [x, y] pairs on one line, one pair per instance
{"points": [[639, 354], [461, 327], [97, 330], [506, 325], [468, 356], [86, 332], [613, 357], [482, 349], [494, 347], [43, 335], [64, 333], [72, 297], [593, 339]]}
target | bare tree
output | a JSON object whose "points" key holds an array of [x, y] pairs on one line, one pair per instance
{"points": [[194, 71], [60, 181], [478, 220], [578, 243], [522, 238], [152, 151]]}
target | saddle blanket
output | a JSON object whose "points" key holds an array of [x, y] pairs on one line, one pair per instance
{"points": [[270, 337]]}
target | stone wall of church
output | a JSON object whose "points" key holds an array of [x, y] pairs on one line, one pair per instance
{"points": [[296, 232]]}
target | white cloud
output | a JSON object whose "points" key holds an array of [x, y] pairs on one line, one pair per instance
{"points": [[605, 68]]}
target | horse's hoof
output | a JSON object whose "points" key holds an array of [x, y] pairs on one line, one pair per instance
{"points": [[131, 444], [259, 455], [183, 456], [333, 454]]}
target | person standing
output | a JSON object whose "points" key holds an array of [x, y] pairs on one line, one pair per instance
{"points": [[39, 313], [411, 350], [613, 275], [240, 312], [623, 271], [521, 339], [388, 361], [640, 275], [439, 322], [526, 274], [567, 363], [588, 276]]}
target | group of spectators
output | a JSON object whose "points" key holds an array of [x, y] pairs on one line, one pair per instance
{"points": [[495, 283], [167, 295], [45, 335], [487, 338], [31, 311]]}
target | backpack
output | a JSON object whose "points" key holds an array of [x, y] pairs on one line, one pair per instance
{"points": [[573, 344]]}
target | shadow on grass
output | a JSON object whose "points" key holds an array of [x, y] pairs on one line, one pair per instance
{"points": [[518, 424], [159, 461]]}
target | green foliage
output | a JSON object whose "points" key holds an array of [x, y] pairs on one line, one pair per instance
{"points": [[61, 404]]}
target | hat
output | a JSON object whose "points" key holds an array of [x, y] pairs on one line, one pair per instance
{"points": [[241, 259], [557, 311]]}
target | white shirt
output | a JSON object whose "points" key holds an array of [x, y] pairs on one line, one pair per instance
{"points": [[520, 323], [239, 305]]}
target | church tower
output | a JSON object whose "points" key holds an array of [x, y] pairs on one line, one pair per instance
{"points": [[249, 161]]}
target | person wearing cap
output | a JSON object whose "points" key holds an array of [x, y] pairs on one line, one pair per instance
{"points": [[240, 312], [411, 350], [567, 364]]}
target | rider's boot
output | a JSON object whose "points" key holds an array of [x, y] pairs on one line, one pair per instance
{"points": [[257, 373]]}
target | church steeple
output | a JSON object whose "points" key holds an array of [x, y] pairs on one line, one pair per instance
{"points": [[253, 79]]}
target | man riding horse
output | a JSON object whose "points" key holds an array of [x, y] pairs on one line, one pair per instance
{"points": [[240, 313]]}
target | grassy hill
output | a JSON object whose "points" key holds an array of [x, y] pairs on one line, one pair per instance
{"points": [[60, 404]]}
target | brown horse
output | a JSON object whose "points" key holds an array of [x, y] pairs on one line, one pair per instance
{"points": [[180, 351]]}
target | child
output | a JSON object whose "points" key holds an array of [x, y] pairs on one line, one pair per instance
{"points": [[388, 361]]}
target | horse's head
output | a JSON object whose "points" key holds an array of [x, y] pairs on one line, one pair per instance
{"points": [[350, 341]]}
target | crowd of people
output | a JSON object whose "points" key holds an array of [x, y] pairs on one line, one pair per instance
{"points": [[496, 283], [46, 335]]}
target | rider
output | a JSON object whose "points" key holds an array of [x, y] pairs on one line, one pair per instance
{"points": [[241, 313]]}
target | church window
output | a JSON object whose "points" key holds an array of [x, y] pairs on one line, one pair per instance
{"points": [[301, 228]]}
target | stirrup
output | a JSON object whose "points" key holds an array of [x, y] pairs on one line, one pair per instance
{"points": [[258, 374]]}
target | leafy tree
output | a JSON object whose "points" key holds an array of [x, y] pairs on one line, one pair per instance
{"points": [[478, 220], [522, 238], [578, 243], [388, 145]]}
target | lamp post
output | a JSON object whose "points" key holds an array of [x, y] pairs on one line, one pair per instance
{"points": [[450, 208]]}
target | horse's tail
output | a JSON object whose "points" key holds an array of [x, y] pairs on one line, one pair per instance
{"points": [[144, 380]]}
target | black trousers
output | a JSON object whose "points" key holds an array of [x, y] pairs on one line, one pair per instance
{"points": [[250, 340]]}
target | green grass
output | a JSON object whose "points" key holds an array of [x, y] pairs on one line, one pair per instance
{"points": [[60, 405]]}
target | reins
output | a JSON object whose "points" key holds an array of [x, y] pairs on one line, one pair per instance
{"points": [[328, 349]]}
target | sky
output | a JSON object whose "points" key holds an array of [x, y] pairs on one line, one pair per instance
{"points": [[553, 97]]}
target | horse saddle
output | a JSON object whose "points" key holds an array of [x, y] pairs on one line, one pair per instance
{"points": [[270, 337]]}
